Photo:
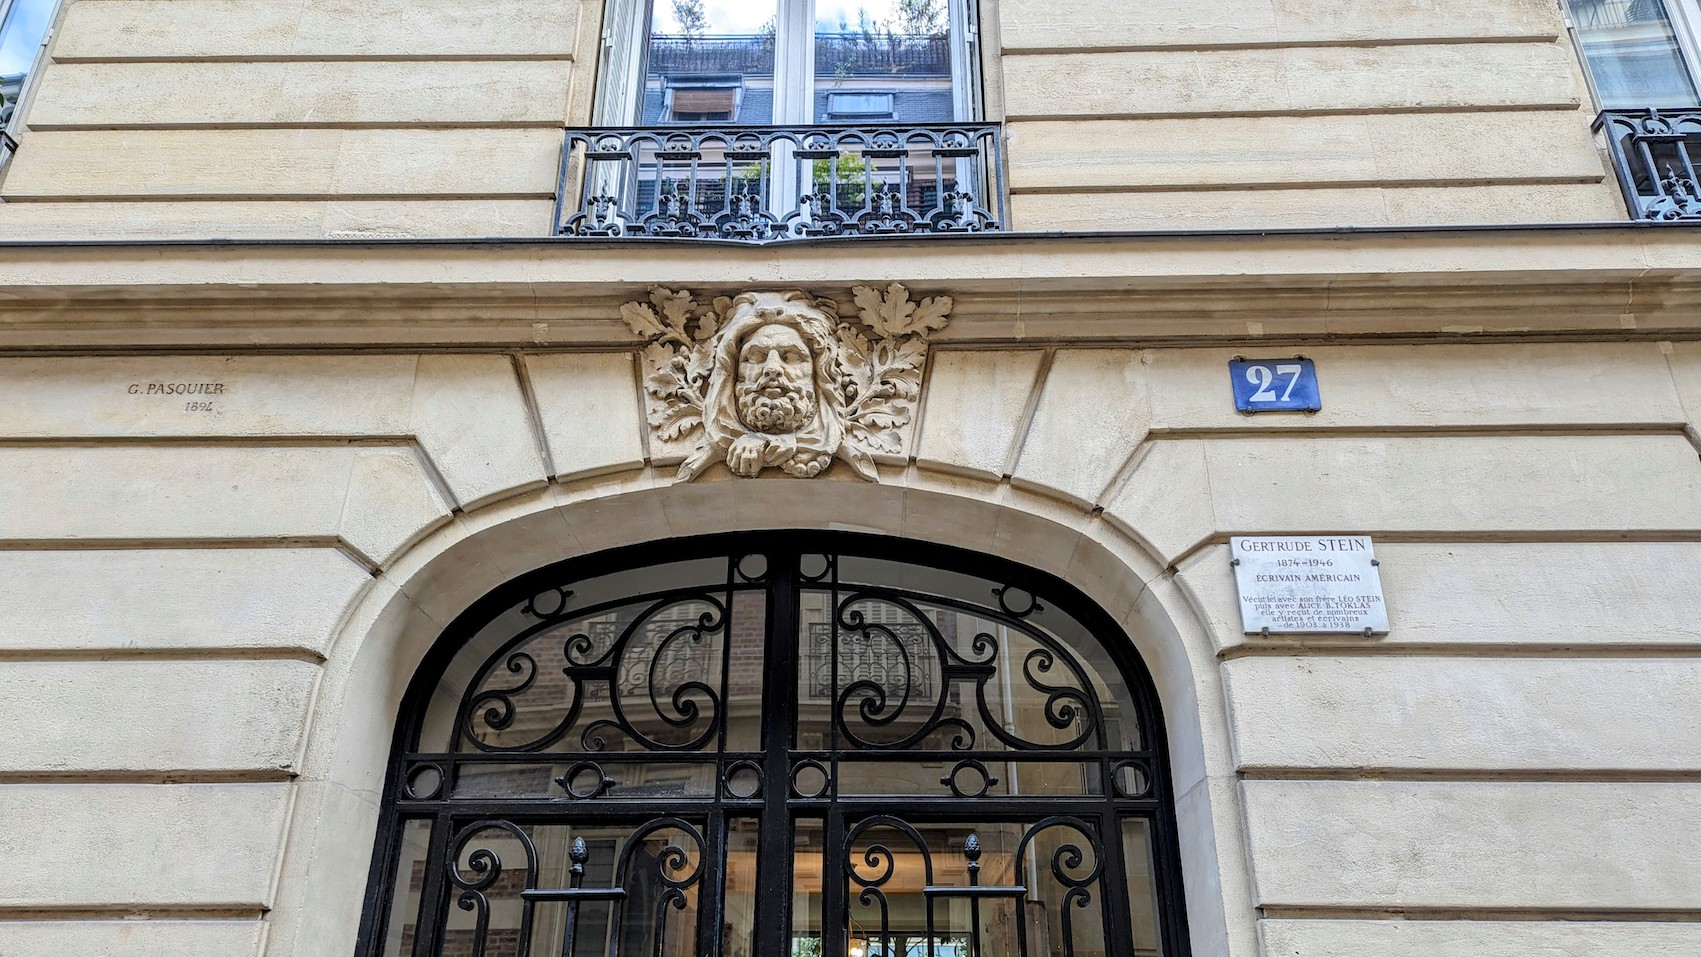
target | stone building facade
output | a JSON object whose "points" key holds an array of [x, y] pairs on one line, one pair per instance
{"points": [[297, 379]]}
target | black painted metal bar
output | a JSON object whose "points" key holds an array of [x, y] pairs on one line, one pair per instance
{"points": [[779, 708], [630, 190]]}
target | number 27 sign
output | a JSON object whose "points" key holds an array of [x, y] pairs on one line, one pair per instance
{"points": [[1275, 385]]}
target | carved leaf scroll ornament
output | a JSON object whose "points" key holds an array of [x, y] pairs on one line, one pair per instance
{"points": [[779, 379]]}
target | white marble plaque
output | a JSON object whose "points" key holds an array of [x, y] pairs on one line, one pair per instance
{"points": [[1309, 584]]}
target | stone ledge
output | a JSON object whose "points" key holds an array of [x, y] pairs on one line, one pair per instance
{"points": [[1599, 282]]}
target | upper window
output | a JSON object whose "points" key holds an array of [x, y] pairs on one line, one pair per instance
{"points": [[787, 65], [23, 29], [773, 119], [1643, 58], [1640, 53], [784, 746]]}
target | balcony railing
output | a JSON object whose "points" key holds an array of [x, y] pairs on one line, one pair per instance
{"points": [[761, 184], [1652, 154]]}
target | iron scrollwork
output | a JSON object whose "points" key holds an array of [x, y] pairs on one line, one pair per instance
{"points": [[1075, 865], [668, 875], [868, 701], [1651, 152], [726, 183], [482, 870], [666, 673]]}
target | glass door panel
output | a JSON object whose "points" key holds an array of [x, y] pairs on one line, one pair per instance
{"points": [[706, 64]]}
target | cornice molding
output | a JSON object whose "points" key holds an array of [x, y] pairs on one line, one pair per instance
{"points": [[1584, 284]]}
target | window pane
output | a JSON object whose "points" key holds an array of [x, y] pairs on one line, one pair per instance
{"points": [[808, 837], [746, 670], [409, 881], [738, 924], [20, 41], [884, 60], [710, 63], [1632, 52], [657, 868], [881, 62], [1142, 887], [880, 776], [1043, 882], [604, 777]]}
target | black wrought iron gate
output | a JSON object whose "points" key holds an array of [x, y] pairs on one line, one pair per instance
{"points": [[757, 746]]}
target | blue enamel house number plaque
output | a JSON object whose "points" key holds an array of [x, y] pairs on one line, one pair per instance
{"points": [[1275, 385]]}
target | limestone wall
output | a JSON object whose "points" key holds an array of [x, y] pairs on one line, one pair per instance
{"points": [[208, 613], [328, 118], [301, 118], [1170, 114]]}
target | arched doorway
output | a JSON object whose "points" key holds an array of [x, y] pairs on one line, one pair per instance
{"points": [[794, 744]]}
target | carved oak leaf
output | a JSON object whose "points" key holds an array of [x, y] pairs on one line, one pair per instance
{"points": [[886, 313], [676, 308], [678, 407], [930, 316], [854, 362], [893, 314], [879, 430], [676, 422], [894, 373], [642, 320], [711, 319]]}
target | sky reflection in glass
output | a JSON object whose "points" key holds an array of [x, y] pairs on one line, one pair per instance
{"points": [[20, 35]]}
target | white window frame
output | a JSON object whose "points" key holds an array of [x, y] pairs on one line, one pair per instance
{"points": [[626, 38], [1686, 23]]}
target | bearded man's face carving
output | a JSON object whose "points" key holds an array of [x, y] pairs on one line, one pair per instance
{"points": [[776, 381]]}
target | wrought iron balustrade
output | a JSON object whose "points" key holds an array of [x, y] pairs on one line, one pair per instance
{"points": [[761, 184], [1652, 153]]}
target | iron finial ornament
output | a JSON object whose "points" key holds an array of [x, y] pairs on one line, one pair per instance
{"points": [[779, 380]]}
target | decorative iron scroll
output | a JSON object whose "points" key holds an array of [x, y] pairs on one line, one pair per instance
{"points": [[1652, 153], [661, 883], [892, 709], [767, 183], [676, 676], [1075, 866]]}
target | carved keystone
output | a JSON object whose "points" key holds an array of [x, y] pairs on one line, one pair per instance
{"points": [[778, 380]]}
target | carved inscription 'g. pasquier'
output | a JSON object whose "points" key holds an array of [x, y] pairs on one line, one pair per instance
{"points": [[778, 380]]}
